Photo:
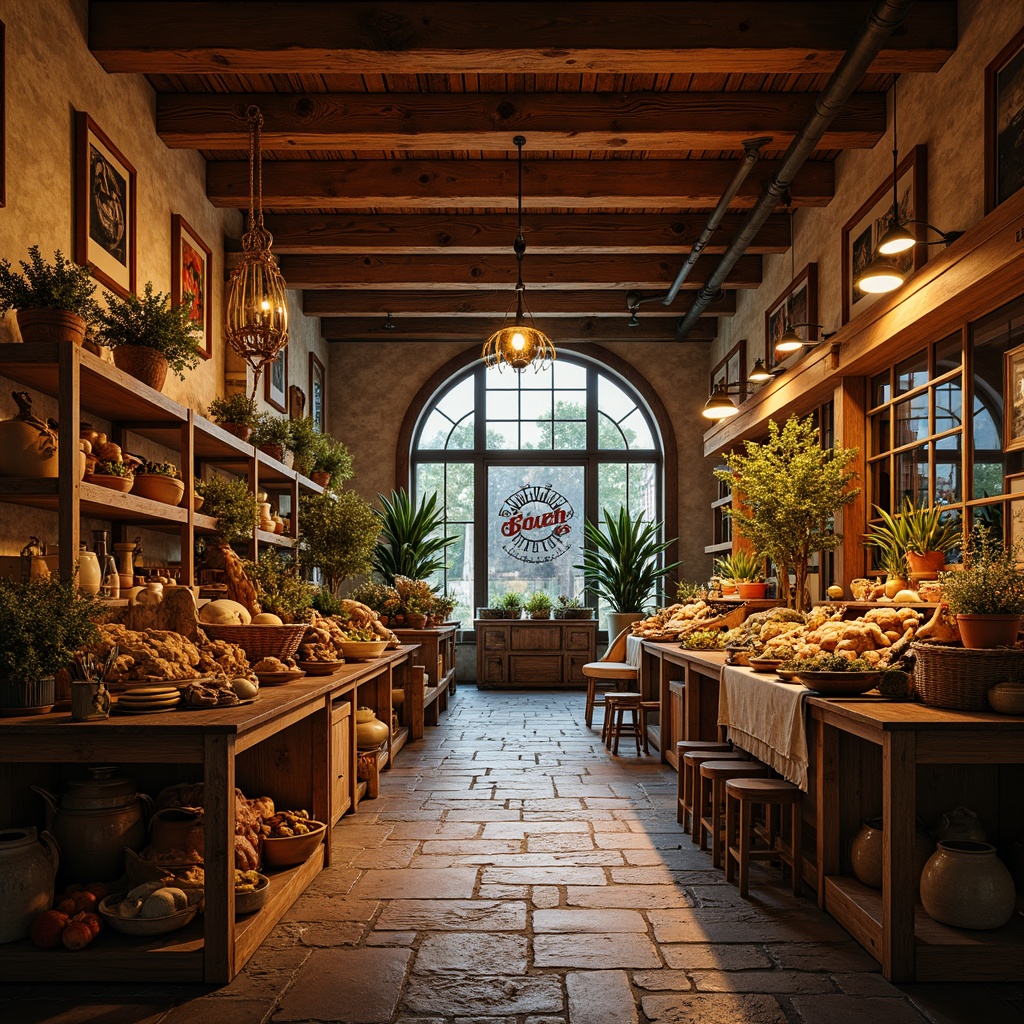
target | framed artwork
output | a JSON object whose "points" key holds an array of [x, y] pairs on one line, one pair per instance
{"points": [[1013, 399], [862, 232], [296, 402], [3, 125], [275, 381], [192, 275], [730, 369], [1015, 528], [104, 208], [1004, 123], [798, 304], [317, 393]]}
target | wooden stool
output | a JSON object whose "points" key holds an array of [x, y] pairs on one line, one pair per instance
{"points": [[602, 676], [684, 800], [647, 707], [740, 797], [617, 706], [609, 706], [692, 760], [711, 799]]}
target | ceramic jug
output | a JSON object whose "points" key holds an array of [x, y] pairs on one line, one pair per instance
{"points": [[966, 885], [27, 869], [371, 732]]}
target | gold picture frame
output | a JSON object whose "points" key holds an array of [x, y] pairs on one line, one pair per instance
{"points": [[1013, 399]]}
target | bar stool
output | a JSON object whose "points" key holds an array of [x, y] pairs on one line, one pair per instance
{"points": [[616, 707], [647, 707], [692, 760], [740, 797], [711, 799], [609, 671], [683, 798]]}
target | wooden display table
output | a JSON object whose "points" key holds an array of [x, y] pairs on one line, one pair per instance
{"points": [[281, 746], [436, 654], [533, 653]]}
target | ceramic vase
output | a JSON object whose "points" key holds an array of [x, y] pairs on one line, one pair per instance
{"points": [[371, 732], [27, 869], [866, 852], [966, 885]]}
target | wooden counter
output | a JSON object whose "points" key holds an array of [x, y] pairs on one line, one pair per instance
{"points": [[533, 653], [280, 746], [436, 655]]}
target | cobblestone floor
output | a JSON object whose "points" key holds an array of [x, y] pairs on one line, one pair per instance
{"points": [[512, 872]]}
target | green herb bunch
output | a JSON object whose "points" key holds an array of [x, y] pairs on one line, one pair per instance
{"points": [[58, 285], [416, 596], [511, 602], [990, 581], [236, 408], [168, 469], [538, 602], [121, 469], [271, 429]]}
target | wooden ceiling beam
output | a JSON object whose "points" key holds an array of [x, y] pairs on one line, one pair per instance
{"points": [[444, 184], [578, 122], [447, 273], [458, 328], [689, 37], [359, 234], [603, 302]]}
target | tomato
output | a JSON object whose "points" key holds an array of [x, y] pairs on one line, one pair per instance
{"points": [[47, 928]]}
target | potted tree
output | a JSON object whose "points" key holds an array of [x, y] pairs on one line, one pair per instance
{"points": [[304, 441], [236, 413], [338, 535], [148, 335], [786, 494], [413, 538], [620, 565], [43, 621], [54, 301], [332, 463], [271, 435], [538, 605]]}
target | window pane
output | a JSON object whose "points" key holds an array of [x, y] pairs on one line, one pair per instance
{"points": [[638, 433], [502, 435], [570, 405], [570, 435], [880, 485], [948, 405], [458, 400], [454, 482], [948, 472], [912, 373], [534, 405], [536, 435], [502, 405], [569, 375], [912, 477], [880, 389], [610, 436], [948, 354], [912, 420], [435, 431]]}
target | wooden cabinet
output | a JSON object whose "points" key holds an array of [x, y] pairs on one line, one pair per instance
{"points": [[424, 703], [524, 653]]}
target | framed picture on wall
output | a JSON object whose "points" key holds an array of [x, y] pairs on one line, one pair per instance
{"points": [[1013, 399], [317, 393], [296, 402], [798, 304], [731, 368], [1004, 123], [862, 232], [1015, 526], [192, 276], [104, 208], [275, 381], [3, 124]]}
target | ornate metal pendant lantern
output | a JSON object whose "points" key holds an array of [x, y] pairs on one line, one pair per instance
{"points": [[256, 307], [519, 343]]}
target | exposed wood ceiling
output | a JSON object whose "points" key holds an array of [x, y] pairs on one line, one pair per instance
{"points": [[390, 172]]}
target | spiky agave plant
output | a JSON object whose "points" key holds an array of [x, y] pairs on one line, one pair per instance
{"points": [[413, 537]]}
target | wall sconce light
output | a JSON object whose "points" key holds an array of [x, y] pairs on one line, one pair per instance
{"points": [[792, 342], [720, 406], [879, 276], [897, 238], [759, 373]]}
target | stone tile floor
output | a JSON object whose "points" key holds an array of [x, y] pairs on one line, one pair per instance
{"points": [[512, 872]]}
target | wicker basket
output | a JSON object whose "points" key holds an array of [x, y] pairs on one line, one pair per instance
{"points": [[951, 676], [260, 641]]}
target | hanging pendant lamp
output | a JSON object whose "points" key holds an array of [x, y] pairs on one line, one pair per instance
{"points": [[256, 309], [519, 344]]}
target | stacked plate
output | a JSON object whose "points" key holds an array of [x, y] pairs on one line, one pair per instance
{"points": [[143, 700]]}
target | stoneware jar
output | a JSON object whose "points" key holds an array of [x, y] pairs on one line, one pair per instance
{"points": [[966, 885], [371, 732], [27, 869], [866, 852], [176, 828]]}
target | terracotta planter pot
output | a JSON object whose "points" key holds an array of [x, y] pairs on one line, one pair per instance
{"points": [[144, 364], [321, 478], [926, 566], [239, 430], [752, 591], [275, 451], [158, 487], [50, 325], [978, 631]]}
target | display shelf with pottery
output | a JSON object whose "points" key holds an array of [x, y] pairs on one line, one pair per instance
{"points": [[965, 885], [371, 732], [158, 487]]}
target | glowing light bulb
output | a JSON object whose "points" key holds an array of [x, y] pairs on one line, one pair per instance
{"points": [[518, 342], [265, 306]]}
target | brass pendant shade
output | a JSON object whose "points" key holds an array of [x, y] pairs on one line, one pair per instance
{"points": [[256, 308]]}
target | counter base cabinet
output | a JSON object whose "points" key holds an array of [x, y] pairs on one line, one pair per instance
{"points": [[436, 656], [532, 653]]}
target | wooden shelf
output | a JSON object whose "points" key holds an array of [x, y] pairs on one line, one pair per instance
{"points": [[281, 540]]}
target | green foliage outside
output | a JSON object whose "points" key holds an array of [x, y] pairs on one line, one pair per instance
{"points": [[59, 285], [339, 532], [786, 493]]}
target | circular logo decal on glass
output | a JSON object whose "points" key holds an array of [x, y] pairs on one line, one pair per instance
{"points": [[537, 524]]}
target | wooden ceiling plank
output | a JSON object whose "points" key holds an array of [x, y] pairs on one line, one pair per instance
{"points": [[441, 184], [598, 302], [446, 272], [357, 234], [461, 121], [305, 36]]}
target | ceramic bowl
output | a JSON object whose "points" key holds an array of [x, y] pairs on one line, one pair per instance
{"points": [[145, 925], [157, 487], [1007, 698], [839, 684], [358, 650], [289, 850], [250, 902]]}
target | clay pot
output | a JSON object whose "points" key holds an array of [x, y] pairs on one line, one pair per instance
{"points": [[893, 585], [144, 364], [985, 631], [960, 823], [26, 450], [866, 852], [27, 869], [371, 732], [752, 591], [966, 885], [33, 698], [51, 325], [89, 577], [176, 828], [414, 621], [239, 430], [275, 451], [158, 487], [926, 566]]}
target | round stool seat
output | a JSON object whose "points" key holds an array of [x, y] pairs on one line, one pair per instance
{"points": [[741, 795], [710, 799], [610, 670], [684, 747], [623, 695], [762, 788], [689, 764], [731, 769]]}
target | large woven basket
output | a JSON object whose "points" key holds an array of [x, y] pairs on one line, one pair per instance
{"points": [[951, 676], [260, 641]]}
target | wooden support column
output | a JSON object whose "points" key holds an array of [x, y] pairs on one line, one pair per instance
{"points": [[849, 405]]}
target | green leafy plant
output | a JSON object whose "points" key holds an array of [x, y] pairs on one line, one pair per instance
{"points": [[232, 504], [333, 457], [381, 598], [688, 590], [270, 429], [159, 469], [511, 603], [989, 582], [740, 567], [413, 536], [620, 563], [912, 530], [443, 606], [237, 408], [338, 535], [786, 493], [304, 442], [43, 621], [41, 285], [152, 322], [415, 597], [120, 469], [279, 586], [538, 603]]}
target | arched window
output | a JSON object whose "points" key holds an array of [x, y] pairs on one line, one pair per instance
{"points": [[520, 459]]}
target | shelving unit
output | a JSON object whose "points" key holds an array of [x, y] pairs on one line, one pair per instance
{"points": [[436, 655]]}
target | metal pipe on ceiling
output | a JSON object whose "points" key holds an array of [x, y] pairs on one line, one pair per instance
{"points": [[885, 18]]}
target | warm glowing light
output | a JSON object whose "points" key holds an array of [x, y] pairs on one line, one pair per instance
{"points": [[880, 275], [896, 239], [719, 406], [789, 342], [760, 373], [518, 342]]}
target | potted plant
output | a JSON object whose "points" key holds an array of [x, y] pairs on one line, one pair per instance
{"points": [[538, 605], [43, 621], [271, 435], [746, 571], [236, 413], [159, 481], [279, 586], [921, 536], [304, 442], [442, 608], [987, 593], [413, 537], [416, 598], [54, 301], [511, 604], [338, 535], [332, 463], [620, 564], [786, 493], [378, 597], [571, 608], [117, 476], [232, 505], [148, 335]]}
